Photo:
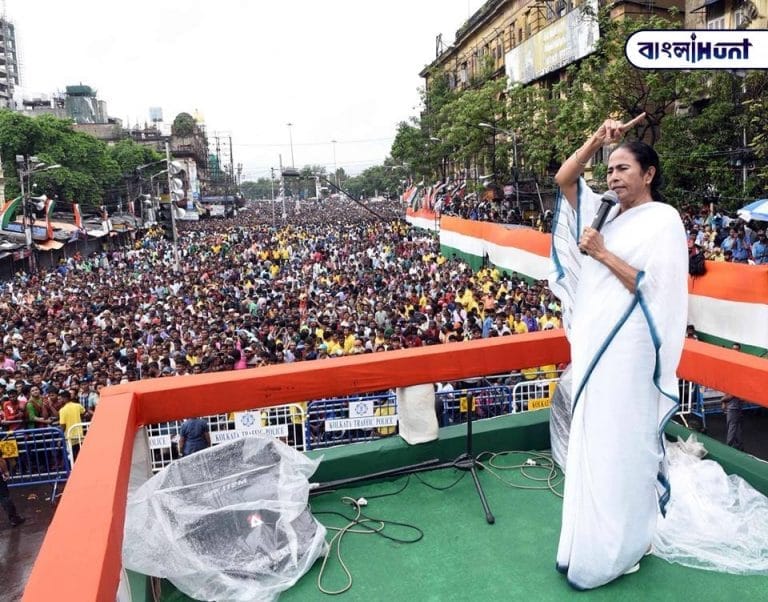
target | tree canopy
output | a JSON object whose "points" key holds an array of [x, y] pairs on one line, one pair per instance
{"points": [[697, 120], [184, 125], [91, 172]]}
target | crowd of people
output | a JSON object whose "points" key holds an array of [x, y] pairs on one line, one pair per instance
{"points": [[329, 280], [711, 232], [723, 238]]}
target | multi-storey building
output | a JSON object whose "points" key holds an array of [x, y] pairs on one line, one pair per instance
{"points": [[9, 63], [726, 14], [531, 41]]}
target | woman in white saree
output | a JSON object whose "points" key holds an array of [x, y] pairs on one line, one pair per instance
{"points": [[624, 294]]}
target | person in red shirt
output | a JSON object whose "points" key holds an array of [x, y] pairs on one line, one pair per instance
{"points": [[12, 415]]}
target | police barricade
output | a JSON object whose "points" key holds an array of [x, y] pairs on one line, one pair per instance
{"points": [[284, 422], [487, 402], [349, 419], [706, 401], [529, 395], [690, 399], [75, 437], [36, 457]]}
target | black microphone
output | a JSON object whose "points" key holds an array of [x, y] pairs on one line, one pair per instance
{"points": [[609, 199]]}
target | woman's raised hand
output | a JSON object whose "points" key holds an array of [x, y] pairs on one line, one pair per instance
{"points": [[613, 130]]}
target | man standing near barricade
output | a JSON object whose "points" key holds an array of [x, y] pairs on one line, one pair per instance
{"points": [[732, 407], [194, 436], [71, 414], [5, 497]]}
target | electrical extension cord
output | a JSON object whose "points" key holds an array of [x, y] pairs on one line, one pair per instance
{"points": [[530, 462]]}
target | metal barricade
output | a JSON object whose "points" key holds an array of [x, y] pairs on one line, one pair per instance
{"points": [[487, 402], [284, 422], [350, 419], [75, 437], [690, 400], [529, 395], [36, 457], [707, 401]]}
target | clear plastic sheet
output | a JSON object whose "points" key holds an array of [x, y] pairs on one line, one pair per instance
{"points": [[560, 419], [229, 523], [714, 521]]}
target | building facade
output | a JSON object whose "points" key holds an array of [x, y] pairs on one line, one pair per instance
{"points": [[726, 14], [532, 41], [9, 63]]}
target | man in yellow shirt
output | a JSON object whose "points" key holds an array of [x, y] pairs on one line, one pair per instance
{"points": [[518, 326], [349, 340], [71, 414]]}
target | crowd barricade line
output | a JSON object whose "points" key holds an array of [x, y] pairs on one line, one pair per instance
{"points": [[486, 402], [75, 436], [530, 395], [344, 420], [285, 422], [36, 456], [707, 401], [690, 400]]}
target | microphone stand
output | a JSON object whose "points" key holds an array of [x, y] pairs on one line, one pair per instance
{"points": [[466, 461]]}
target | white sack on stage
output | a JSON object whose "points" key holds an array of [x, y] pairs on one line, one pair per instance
{"points": [[416, 413], [714, 521]]}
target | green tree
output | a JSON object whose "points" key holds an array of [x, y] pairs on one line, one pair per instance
{"points": [[260, 189], [91, 172], [184, 125], [466, 142]]}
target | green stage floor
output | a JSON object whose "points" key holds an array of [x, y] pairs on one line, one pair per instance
{"points": [[461, 557]]}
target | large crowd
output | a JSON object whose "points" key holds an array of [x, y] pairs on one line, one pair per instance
{"points": [[322, 281], [712, 232], [325, 281]]}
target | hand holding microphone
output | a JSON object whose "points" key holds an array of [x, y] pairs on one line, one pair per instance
{"points": [[609, 199]]}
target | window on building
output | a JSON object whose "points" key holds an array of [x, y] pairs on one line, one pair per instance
{"points": [[551, 12], [716, 16]]}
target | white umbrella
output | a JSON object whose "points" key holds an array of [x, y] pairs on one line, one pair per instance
{"points": [[757, 210]]}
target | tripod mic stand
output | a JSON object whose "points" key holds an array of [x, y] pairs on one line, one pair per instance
{"points": [[467, 461]]}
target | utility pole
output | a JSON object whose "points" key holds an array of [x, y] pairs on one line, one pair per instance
{"points": [[272, 181], [282, 187], [335, 168], [290, 138], [177, 265], [231, 161]]}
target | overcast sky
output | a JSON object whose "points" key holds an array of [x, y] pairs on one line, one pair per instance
{"points": [[344, 70]]}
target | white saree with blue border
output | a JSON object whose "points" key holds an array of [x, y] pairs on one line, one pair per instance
{"points": [[625, 348]]}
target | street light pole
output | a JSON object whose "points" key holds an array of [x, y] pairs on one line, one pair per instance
{"points": [[26, 226], [26, 166], [173, 208], [272, 181], [290, 138], [512, 134], [335, 168]]}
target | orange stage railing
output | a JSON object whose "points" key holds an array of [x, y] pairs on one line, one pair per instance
{"points": [[92, 509]]}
